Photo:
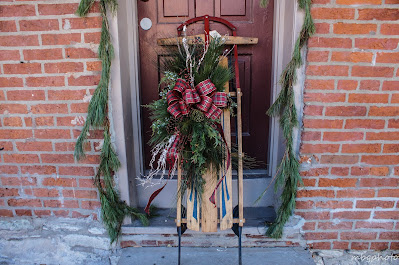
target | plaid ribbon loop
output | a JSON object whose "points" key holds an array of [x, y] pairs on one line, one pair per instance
{"points": [[204, 97]]}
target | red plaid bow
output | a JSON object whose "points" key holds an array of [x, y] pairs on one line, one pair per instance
{"points": [[203, 96]]}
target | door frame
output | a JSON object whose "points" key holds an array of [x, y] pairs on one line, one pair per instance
{"points": [[125, 92]]}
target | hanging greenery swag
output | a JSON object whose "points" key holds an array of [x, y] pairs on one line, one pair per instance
{"points": [[113, 209]]}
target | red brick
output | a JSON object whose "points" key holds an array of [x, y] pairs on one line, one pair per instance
{"points": [[49, 108], [315, 172], [61, 39], [340, 171], [311, 110], [318, 123], [311, 136], [57, 158], [84, 80], [319, 84], [314, 215], [360, 245], [381, 160], [76, 171], [389, 235], [8, 169], [319, 42], [43, 54], [372, 71], [395, 245], [28, 121], [358, 2], [387, 58], [48, 81], [9, 55], [92, 37], [8, 192], [94, 66], [38, 169], [352, 215], [25, 202], [374, 225], [360, 193], [382, 136], [317, 56], [15, 134], [319, 148], [81, 194], [375, 204], [327, 70], [368, 98], [342, 136], [315, 193], [304, 204], [61, 213], [25, 95], [12, 122], [17, 10], [347, 84], [79, 107], [341, 182], [6, 213], [338, 159], [353, 28], [365, 124], [23, 212], [90, 159], [64, 67], [21, 158], [91, 205], [44, 121], [322, 28], [361, 148], [340, 245], [390, 86], [358, 235], [39, 25], [22, 68], [321, 235], [320, 245], [333, 13], [325, 98], [61, 204], [8, 26], [391, 148], [379, 14], [86, 183], [11, 82], [57, 9], [126, 244], [388, 193], [334, 204], [379, 171], [26, 40], [376, 44], [369, 85], [80, 53], [335, 225], [41, 213], [394, 215], [346, 111], [84, 23], [395, 98], [59, 182], [18, 181], [379, 245], [66, 94], [389, 29]]}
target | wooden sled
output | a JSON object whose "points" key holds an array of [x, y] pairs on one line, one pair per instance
{"points": [[204, 216]]}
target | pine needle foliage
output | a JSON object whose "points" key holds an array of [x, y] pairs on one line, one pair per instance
{"points": [[288, 171], [113, 209]]}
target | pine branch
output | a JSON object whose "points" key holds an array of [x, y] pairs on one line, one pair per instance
{"points": [[113, 209], [288, 174]]}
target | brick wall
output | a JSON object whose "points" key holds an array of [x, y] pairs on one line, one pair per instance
{"points": [[351, 128], [49, 68]]}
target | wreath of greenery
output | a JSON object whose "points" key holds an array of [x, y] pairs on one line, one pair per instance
{"points": [[112, 208]]}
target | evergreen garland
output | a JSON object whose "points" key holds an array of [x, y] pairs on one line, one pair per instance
{"points": [[287, 174], [113, 209]]}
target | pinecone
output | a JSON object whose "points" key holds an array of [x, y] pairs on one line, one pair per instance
{"points": [[172, 125], [197, 115]]}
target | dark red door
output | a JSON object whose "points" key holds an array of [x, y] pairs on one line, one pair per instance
{"points": [[255, 61]]}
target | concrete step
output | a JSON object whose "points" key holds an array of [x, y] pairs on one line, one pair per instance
{"points": [[215, 256]]}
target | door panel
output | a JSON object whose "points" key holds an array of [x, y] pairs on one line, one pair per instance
{"points": [[254, 60]]}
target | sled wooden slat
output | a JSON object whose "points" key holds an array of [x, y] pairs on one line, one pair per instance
{"points": [[209, 212], [230, 40], [193, 223], [225, 190], [178, 206]]}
